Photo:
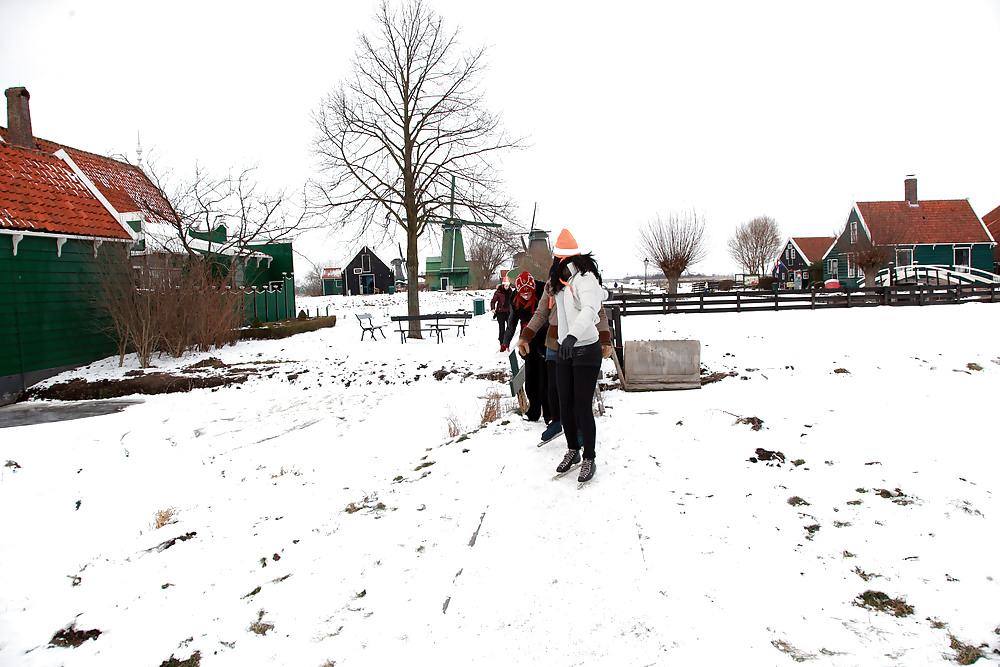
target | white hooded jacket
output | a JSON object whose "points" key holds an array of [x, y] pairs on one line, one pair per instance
{"points": [[579, 307]]}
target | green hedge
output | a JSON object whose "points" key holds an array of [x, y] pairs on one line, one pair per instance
{"points": [[285, 328]]}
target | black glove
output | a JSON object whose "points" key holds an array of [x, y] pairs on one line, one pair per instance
{"points": [[566, 347]]}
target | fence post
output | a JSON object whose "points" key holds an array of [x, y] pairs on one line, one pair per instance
{"points": [[617, 345], [848, 297], [701, 302], [738, 302], [776, 299], [812, 298]]}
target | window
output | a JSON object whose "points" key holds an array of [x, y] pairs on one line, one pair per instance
{"points": [[834, 268], [904, 256], [788, 253], [366, 263], [963, 259], [854, 232], [851, 266]]}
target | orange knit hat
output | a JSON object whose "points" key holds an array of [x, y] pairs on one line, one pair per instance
{"points": [[566, 245]]}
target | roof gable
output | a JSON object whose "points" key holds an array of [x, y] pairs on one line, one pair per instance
{"points": [[992, 221], [936, 221], [813, 248], [40, 193]]}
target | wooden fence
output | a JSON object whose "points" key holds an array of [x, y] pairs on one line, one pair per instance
{"points": [[812, 299], [621, 305]]}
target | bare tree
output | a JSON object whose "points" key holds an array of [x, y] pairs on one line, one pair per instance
{"points": [[755, 244], [486, 251], [251, 215], [407, 123], [674, 244]]}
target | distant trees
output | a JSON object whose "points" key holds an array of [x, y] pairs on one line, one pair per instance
{"points": [[407, 120], [674, 244], [755, 244], [486, 250]]}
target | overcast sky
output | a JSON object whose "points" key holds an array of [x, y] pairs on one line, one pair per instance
{"points": [[632, 109]]}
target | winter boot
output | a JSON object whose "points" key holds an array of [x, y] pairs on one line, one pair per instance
{"points": [[552, 431], [587, 470], [572, 457]]}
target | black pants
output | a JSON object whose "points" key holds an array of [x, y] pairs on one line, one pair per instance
{"points": [[577, 380], [550, 368], [536, 385], [502, 323]]}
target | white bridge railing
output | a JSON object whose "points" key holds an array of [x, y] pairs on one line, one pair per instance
{"points": [[935, 274]]}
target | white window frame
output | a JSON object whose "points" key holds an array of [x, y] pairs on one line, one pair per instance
{"points": [[854, 232], [834, 267], [366, 263], [851, 266], [899, 250]]}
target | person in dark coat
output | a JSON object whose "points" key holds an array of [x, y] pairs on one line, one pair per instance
{"points": [[527, 293], [500, 305]]}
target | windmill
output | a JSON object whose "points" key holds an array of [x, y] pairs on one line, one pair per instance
{"points": [[537, 251], [451, 269], [399, 268]]}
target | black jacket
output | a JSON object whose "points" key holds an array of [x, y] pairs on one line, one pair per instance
{"points": [[519, 312]]}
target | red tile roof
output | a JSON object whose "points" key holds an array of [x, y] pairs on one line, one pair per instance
{"points": [[125, 186], [992, 221], [932, 221], [39, 192], [813, 248]]}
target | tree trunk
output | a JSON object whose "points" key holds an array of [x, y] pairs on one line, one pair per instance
{"points": [[672, 280], [412, 288]]}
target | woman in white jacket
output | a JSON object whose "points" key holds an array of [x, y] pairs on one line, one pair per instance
{"points": [[576, 281]]}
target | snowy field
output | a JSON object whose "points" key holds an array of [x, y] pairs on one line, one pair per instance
{"points": [[320, 513]]}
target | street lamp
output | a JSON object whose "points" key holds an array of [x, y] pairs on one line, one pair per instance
{"points": [[645, 277]]}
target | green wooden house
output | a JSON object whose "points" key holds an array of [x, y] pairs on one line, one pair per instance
{"points": [[931, 242], [799, 254], [54, 226], [60, 209]]}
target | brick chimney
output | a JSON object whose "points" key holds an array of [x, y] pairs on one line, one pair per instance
{"points": [[19, 118], [910, 185]]}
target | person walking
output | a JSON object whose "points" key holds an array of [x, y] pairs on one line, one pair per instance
{"points": [[579, 294], [500, 306], [547, 313], [527, 293]]}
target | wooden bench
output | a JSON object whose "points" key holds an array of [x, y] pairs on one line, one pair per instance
{"points": [[434, 323], [365, 320]]}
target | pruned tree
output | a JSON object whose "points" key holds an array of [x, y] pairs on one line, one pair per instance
{"points": [[408, 119], [486, 251], [755, 244], [674, 244]]}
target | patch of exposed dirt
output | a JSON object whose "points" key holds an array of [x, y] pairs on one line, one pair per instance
{"points": [[71, 637], [205, 374]]}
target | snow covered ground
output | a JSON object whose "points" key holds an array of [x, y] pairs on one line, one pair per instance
{"points": [[323, 515]]}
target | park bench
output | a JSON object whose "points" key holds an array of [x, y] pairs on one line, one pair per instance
{"points": [[365, 320], [434, 323]]}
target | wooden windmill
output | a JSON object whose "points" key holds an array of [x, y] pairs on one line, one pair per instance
{"points": [[451, 269]]}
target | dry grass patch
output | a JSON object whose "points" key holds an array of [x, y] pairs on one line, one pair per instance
{"points": [[163, 517], [966, 654], [454, 425], [259, 626], [879, 601], [493, 408]]}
